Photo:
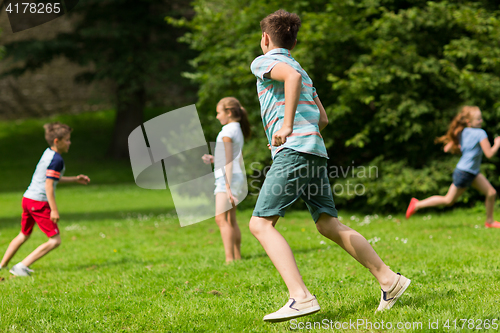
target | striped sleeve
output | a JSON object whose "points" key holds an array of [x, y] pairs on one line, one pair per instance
{"points": [[55, 167], [263, 65]]}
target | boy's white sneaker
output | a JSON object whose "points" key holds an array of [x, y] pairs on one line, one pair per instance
{"points": [[389, 297], [294, 309], [20, 270]]}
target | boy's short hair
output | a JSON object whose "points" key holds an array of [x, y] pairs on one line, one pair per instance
{"points": [[282, 27], [56, 131]]}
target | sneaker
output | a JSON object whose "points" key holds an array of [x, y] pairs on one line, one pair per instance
{"points": [[411, 208], [495, 224], [391, 296], [294, 309], [20, 270]]}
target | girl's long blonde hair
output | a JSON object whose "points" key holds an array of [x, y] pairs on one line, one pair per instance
{"points": [[456, 127]]}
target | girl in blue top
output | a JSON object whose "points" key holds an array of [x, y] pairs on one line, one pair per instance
{"points": [[465, 135], [228, 170]]}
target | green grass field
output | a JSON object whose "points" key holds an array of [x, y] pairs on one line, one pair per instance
{"points": [[125, 264]]}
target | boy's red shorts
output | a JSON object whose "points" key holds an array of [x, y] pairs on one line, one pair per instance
{"points": [[39, 212]]}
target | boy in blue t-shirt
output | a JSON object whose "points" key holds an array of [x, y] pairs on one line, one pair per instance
{"points": [[292, 115], [39, 201]]}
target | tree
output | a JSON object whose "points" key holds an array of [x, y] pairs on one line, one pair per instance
{"points": [[2, 49], [126, 42], [391, 74]]}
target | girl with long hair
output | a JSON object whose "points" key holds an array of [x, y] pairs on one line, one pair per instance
{"points": [[466, 136], [229, 178]]}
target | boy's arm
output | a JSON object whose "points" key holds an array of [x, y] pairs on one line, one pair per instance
{"points": [[323, 118], [488, 150], [49, 190], [293, 84], [82, 179]]}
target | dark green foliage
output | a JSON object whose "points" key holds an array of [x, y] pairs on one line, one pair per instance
{"points": [[2, 50], [124, 42], [391, 74]]}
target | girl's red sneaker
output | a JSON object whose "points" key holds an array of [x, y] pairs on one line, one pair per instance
{"points": [[495, 224], [411, 208]]}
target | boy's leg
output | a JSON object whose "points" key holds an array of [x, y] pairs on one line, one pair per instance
{"points": [[14, 245], [280, 254], [285, 182], [437, 200], [319, 200], [358, 247], [482, 184], [27, 224], [393, 285], [283, 185], [42, 250]]}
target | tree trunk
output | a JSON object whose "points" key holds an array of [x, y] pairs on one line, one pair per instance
{"points": [[130, 105]]}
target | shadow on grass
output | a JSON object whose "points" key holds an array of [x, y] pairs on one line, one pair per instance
{"points": [[96, 216], [115, 263], [263, 254], [143, 263], [140, 261]]}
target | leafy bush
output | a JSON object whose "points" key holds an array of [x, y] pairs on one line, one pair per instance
{"points": [[391, 75], [390, 185]]}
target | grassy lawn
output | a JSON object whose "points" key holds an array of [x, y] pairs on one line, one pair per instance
{"points": [[125, 264]]}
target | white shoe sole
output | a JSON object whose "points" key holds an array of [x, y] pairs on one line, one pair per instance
{"points": [[275, 318], [395, 298], [17, 274]]}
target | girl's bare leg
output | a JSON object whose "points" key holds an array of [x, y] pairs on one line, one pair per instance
{"points": [[236, 233], [229, 230], [438, 200], [482, 184]]}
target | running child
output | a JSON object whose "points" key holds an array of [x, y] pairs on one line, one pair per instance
{"points": [[229, 144], [465, 135], [39, 201], [292, 115]]}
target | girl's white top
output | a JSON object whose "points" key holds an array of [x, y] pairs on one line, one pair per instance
{"points": [[232, 131]]}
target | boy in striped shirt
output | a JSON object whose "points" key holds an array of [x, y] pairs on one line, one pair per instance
{"points": [[39, 201], [293, 116]]}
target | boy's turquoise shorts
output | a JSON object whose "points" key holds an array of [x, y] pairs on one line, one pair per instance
{"points": [[296, 175]]}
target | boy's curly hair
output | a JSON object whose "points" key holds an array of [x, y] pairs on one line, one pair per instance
{"points": [[56, 131], [282, 27]]}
